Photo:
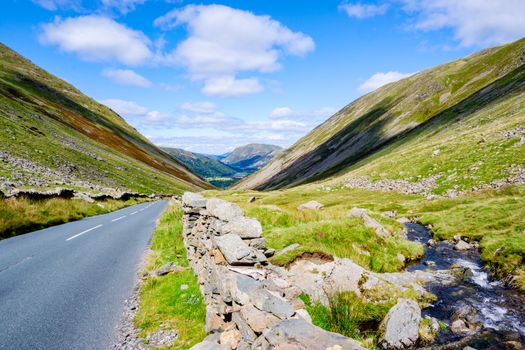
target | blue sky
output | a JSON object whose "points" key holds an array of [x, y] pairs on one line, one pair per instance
{"points": [[208, 76]]}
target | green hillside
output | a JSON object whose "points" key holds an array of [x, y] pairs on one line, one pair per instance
{"points": [[54, 136], [459, 124], [251, 157]]}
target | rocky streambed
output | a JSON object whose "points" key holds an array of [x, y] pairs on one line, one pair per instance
{"points": [[479, 312]]}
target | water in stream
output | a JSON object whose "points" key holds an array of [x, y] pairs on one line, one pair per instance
{"points": [[502, 309]]}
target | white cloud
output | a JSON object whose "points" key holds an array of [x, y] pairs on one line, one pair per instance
{"points": [[287, 112], [53, 5], [474, 22], [97, 38], [216, 120], [223, 41], [229, 86], [126, 77], [361, 11], [199, 107], [124, 6], [169, 87], [130, 109], [379, 79]]}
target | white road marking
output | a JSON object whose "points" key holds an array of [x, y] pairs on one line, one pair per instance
{"points": [[81, 233], [117, 219], [135, 212]]}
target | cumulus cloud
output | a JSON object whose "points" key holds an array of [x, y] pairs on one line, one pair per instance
{"points": [[97, 38], [474, 22], [199, 107], [229, 86], [379, 79], [130, 109], [126, 77], [53, 5], [223, 41], [361, 11]]}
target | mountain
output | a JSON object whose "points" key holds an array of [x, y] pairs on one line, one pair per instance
{"points": [[251, 157], [55, 136], [201, 164], [223, 170], [458, 126]]}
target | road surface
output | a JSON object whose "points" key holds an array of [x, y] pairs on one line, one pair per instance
{"points": [[64, 287]]}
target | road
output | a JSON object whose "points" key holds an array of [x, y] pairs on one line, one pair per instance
{"points": [[64, 287]]}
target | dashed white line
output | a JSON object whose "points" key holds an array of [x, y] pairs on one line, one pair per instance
{"points": [[135, 212], [117, 219], [81, 233]]}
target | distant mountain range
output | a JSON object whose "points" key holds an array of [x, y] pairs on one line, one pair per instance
{"points": [[55, 136], [225, 169]]}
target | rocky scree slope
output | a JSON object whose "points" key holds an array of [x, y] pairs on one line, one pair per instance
{"points": [[52, 135], [458, 124]]}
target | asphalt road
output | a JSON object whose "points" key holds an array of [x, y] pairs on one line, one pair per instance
{"points": [[64, 287]]}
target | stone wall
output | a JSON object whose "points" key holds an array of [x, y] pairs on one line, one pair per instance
{"points": [[250, 303]]}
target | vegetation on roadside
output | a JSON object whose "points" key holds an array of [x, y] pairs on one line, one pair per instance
{"points": [[21, 215], [163, 303]]}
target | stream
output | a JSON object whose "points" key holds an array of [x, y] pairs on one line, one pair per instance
{"points": [[501, 309]]}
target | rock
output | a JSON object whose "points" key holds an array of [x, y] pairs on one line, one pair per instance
{"points": [[401, 325], [223, 210], [436, 153], [403, 221], [166, 268], [430, 263], [431, 242], [304, 315], [230, 338], [357, 212], [251, 199], [359, 250], [311, 205], [194, 200], [462, 245], [376, 226], [258, 243], [401, 257], [236, 252], [299, 334], [288, 249], [243, 227], [257, 319], [390, 214], [269, 252], [469, 348], [184, 287], [84, 197], [211, 342], [345, 277], [466, 320]]}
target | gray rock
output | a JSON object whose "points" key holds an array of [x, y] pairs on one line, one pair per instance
{"points": [[462, 245], [311, 205], [466, 320], [401, 325], [357, 212], [223, 210], [84, 197], [236, 251], [258, 243], [247, 333], [299, 334], [211, 342], [243, 227], [251, 199], [194, 200], [288, 249], [344, 277], [269, 252], [257, 319]]}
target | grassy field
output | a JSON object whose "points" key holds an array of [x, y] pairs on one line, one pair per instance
{"points": [[18, 216], [163, 304], [494, 218]]}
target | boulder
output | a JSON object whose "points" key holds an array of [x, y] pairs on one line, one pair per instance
{"points": [[345, 277], [251, 199], [311, 205], [236, 251], [243, 227], [462, 245], [288, 249], [223, 210], [369, 221], [257, 319], [401, 325], [194, 200], [466, 320], [357, 212], [299, 334]]}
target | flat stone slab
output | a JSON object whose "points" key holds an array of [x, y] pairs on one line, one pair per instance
{"points": [[223, 210], [237, 252], [194, 200]]}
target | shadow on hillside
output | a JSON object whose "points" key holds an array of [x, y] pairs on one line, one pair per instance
{"points": [[353, 143]]}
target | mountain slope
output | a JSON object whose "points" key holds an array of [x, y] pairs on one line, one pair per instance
{"points": [[251, 157], [201, 164], [53, 135], [466, 106]]}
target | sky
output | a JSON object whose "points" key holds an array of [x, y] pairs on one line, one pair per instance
{"points": [[209, 76]]}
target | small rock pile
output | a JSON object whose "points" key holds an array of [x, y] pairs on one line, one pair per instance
{"points": [[250, 303]]}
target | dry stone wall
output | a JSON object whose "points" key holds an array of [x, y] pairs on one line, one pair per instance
{"points": [[250, 303]]}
